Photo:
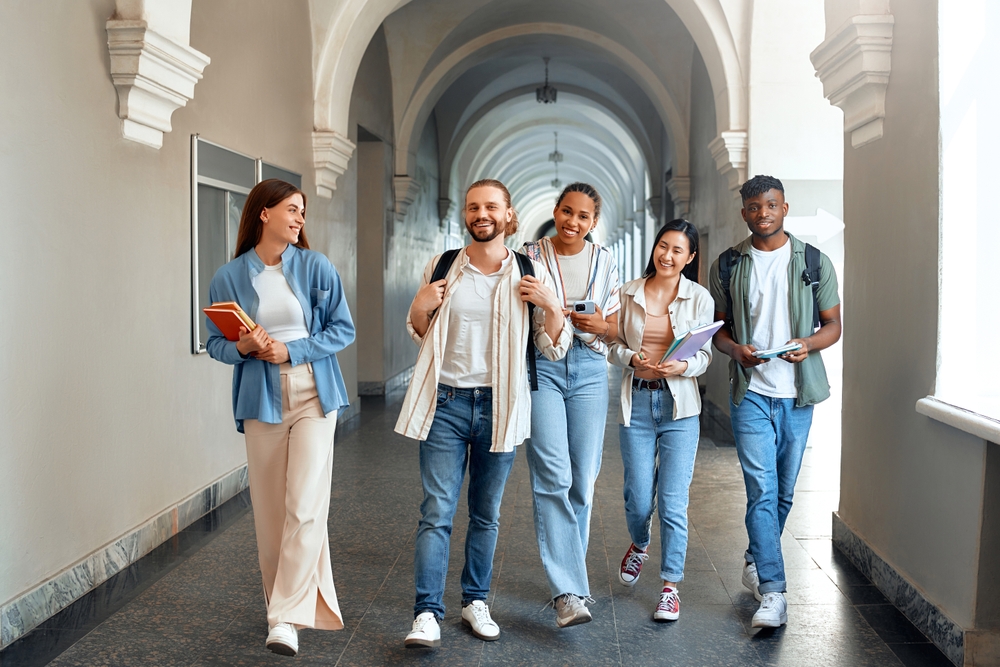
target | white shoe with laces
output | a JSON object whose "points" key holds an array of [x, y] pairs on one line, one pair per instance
{"points": [[283, 639], [571, 610], [751, 580], [773, 611], [476, 615], [425, 633]]}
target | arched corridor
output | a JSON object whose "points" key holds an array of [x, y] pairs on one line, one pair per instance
{"points": [[133, 131]]}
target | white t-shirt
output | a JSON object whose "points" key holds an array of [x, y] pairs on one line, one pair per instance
{"points": [[466, 361], [771, 320], [279, 312], [575, 271]]}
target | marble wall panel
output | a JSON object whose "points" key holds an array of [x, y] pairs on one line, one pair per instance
{"points": [[945, 633]]}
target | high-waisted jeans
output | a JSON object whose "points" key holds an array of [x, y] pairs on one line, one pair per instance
{"points": [[460, 435], [568, 414], [658, 453]]}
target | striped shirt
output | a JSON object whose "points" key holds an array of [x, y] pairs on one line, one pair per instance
{"points": [[509, 382], [603, 288]]}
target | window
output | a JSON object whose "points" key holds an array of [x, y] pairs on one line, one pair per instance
{"points": [[221, 179], [967, 394]]}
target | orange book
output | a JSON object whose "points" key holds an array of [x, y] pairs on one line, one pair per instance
{"points": [[229, 317]]}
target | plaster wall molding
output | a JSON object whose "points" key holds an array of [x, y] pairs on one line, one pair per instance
{"points": [[854, 64], [406, 189], [679, 188], [332, 153], [154, 75], [730, 152], [446, 208]]}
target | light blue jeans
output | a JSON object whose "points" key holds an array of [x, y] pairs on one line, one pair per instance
{"points": [[568, 413], [658, 453], [771, 435], [460, 435]]}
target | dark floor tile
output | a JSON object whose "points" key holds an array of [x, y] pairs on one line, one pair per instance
{"points": [[864, 595], [920, 655], [890, 624], [40, 647]]}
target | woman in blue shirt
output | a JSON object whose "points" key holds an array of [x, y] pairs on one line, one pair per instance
{"points": [[287, 389]]}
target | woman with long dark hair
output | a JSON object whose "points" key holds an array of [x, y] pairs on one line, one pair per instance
{"points": [[287, 389], [569, 409], [660, 404]]}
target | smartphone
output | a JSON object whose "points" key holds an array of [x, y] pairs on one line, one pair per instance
{"points": [[584, 307]]}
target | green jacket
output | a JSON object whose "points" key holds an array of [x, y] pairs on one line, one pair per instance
{"points": [[811, 384]]}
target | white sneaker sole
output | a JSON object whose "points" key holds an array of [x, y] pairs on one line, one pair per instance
{"points": [[281, 648], [630, 584], [768, 622], [420, 642], [663, 617], [579, 619], [485, 638]]}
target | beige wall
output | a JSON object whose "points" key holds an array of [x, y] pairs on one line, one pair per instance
{"points": [[910, 486], [107, 416]]}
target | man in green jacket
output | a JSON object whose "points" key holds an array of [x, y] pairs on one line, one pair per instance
{"points": [[769, 303]]}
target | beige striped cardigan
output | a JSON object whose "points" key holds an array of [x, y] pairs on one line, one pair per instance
{"points": [[511, 395]]}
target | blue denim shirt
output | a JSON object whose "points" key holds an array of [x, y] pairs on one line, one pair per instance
{"points": [[316, 284]]}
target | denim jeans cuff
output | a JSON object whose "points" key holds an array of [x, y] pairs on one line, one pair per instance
{"points": [[439, 617], [772, 587], [748, 557], [467, 601], [668, 576]]}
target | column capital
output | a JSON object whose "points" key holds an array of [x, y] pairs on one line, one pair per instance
{"points": [[854, 65], [332, 153], [154, 75], [730, 152]]}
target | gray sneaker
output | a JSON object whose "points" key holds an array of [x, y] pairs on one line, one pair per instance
{"points": [[571, 610]]}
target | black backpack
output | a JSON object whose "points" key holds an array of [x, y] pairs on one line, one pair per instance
{"points": [[524, 264], [810, 276]]}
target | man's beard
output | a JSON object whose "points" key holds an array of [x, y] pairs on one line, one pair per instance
{"points": [[496, 231]]}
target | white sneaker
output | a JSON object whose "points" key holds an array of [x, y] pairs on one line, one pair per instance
{"points": [[773, 611], [476, 615], [425, 633], [571, 610], [751, 580], [283, 639]]}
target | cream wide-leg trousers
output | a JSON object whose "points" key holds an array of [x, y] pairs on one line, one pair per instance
{"points": [[290, 466]]}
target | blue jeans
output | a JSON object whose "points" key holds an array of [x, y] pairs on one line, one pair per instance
{"points": [[771, 435], [461, 434], [658, 453], [568, 413]]}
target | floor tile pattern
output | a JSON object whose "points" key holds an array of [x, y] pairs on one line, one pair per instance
{"points": [[197, 600]]}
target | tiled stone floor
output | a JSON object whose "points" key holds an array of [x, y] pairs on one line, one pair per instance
{"points": [[197, 599]]}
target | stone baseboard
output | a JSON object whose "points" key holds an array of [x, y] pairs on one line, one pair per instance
{"points": [[25, 612], [393, 384], [947, 635]]}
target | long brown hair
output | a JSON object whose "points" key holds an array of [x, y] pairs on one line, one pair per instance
{"points": [[493, 183], [266, 194]]}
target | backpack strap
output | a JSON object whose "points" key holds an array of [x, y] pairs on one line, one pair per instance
{"points": [[810, 276], [444, 264], [727, 260], [524, 264]]}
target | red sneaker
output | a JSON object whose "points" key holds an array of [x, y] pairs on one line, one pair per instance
{"points": [[669, 607], [631, 565]]}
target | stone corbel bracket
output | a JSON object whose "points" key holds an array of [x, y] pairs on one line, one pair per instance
{"points": [[446, 208], [331, 154], [154, 75], [406, 189], [730, 152], [679, 188], [854, 65]]}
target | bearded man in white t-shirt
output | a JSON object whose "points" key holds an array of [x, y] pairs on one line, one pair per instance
{"points": [[469, 402], [769, 302]]}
